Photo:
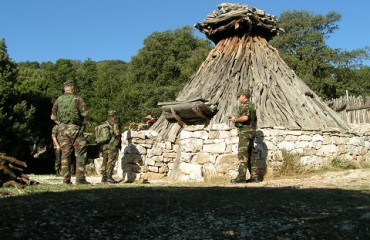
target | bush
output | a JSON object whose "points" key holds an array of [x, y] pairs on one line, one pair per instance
{"points": [[291, 163], [337, 163]]}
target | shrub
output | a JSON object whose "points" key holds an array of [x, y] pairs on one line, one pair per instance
{"points": [[337, 163], [291, 163]]}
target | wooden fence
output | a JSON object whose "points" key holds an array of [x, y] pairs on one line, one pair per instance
{"points": [[353, 109]]}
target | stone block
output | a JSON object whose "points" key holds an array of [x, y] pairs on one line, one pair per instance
{"points": [[193, 171], [192, 144], [317, 138], [327, 150], [201, 158], [226, 162], [286, 145], [215, 148]]}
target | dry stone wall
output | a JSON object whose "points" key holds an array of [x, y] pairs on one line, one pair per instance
{"points": [[200, 153]]}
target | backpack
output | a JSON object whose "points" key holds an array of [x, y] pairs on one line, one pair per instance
{"points": [[67, 110], [102, 133]]}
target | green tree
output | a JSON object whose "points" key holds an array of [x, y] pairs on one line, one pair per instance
{"points": [[87, 74], [16, 115], [349, 73], [161, 68], [106, 87], [34, 88], [303, 47]]}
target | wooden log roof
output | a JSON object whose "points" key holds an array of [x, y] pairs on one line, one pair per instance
{"points": [[247, 61], [236, 19]]}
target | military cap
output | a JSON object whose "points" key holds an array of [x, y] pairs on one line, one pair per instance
{"points": [[112, 112], [69, 83], [246, 93]]}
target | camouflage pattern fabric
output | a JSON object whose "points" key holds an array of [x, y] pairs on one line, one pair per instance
{"points": [[109, 160], [110, 150], [247, 132], [69, 138], [77, 103], [69, 135]]}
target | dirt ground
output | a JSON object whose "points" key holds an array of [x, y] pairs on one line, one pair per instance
{"points": [[341, 179], [326, 205]]}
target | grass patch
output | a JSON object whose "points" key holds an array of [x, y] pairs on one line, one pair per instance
{"points": [[291, 164], [337, 163]]}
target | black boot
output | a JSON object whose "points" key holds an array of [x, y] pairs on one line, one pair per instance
{"points": [[104, 179], [82, 181], [238, 180], [57, 173], [111, 180]]}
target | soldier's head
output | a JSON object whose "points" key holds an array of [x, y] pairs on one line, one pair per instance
{"points": [[244, 96], [69, 86], [112, 114]]}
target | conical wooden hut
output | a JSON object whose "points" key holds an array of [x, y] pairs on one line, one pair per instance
{"points": [[193, 138], [243, 59]]}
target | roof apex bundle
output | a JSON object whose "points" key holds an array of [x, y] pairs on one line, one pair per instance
{"points": [[237, 20]]}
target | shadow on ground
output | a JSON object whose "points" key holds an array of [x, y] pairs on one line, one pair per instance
{"points": [[152, 212]]}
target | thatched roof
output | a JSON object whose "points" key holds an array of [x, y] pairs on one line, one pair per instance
{"points": [[245, 60]]}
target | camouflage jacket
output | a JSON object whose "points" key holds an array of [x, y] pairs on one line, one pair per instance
{"points": [[247, 109], [115, 136]]}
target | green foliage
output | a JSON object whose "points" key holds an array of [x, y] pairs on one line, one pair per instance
{"points": [[329, 72], [169, 57], [8, 75], [290, 163], [351, 75], [110, 80], [31, 79], [87, 74], [303, 45], [337, 163], [16, 115], [161, 68]]}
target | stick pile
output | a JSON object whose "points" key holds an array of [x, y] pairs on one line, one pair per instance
{"points": [[11, 172]]}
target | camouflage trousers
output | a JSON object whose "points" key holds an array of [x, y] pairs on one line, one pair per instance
{"points": [[110, 157], [245, 155], [58, 160], [70, 139]]}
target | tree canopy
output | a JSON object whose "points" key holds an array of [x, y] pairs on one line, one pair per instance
{"points": [[156, 73], [303, 46]]}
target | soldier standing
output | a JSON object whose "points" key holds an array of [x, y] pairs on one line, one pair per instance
{"points": [[246, 122], [110, 150], [69, 113]]}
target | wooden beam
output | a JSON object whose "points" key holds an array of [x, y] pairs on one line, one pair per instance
{"points": [[178, 119], [357, 108]]}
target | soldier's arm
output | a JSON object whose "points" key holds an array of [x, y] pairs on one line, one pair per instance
{"points": [[117, 132], [82, 108], [55, 141], [240, 119], [54, 112]]}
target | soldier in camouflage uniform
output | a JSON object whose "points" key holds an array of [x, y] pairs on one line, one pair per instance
{"points": [[110, 150], [69, 113], [246, 122]]}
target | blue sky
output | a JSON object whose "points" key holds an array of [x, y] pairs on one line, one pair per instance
{"points": [[47, 30]]}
